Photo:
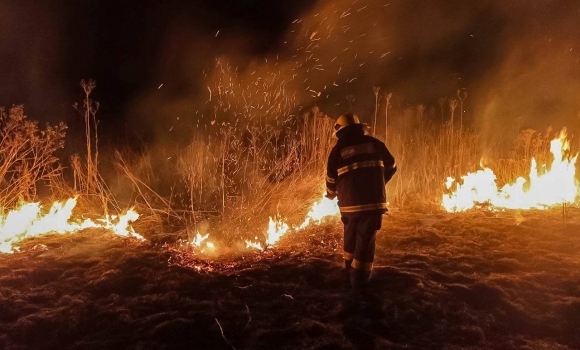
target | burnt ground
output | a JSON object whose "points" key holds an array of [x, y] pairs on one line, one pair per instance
{"points": [[475, 280]]}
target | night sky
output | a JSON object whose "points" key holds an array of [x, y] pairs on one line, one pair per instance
{"points": [[516, 59]]}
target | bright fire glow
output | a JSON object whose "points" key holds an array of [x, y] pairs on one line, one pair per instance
{"points": [[277, 227], [556, 185], [30, 221], [320, 210], [255, 245], [199, 239]]}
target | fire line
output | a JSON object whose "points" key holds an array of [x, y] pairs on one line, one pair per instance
{"points": [[557, 185], [29, 221]]}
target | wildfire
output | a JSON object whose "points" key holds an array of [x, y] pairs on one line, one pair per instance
{"points": [[29, 221], [556, 185], [254, 245], [277, 227], [321, 209], [199, 239]]}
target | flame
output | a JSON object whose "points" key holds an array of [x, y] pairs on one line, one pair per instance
{"points": [[277, 227], [320, 210], [255, 245], [29, 221], [554, 186], [199, 239], [123, 225]]}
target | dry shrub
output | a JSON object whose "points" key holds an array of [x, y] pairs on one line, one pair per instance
{"points": [[27, 156]]}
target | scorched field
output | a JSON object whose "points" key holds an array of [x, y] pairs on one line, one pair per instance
{"points": [[478, 280]]}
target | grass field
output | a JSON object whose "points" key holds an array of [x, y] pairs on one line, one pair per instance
{"points": [[477, 280]]}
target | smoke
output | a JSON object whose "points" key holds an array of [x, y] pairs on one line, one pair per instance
{"points": [[196, 56], [518, 62], [162, 71], [334, 50], [537, 82]]}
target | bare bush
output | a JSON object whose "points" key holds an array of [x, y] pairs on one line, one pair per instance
{"points": [[27, 155]]}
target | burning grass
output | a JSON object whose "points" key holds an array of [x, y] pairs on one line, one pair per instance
{"points": [[251, 181], [480, 280], [248, 235], [30, 220], [242, 189], [545, 185], [256, 192], [244, 185]]}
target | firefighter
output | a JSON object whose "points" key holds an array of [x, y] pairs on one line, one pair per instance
{"points": [[359, 167]]}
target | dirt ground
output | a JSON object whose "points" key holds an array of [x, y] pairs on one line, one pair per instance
{"points": [[475, 280]]}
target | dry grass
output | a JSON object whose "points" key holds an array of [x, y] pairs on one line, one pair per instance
{"points": [[233, 178], [255, 148], [235, 175], [427, 153]]}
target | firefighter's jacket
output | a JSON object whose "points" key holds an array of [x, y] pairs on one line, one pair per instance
{"points": [[359, 167]]}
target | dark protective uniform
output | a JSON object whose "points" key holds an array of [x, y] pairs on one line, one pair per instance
{"points": [[359, 167]]}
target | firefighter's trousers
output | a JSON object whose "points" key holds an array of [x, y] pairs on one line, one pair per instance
{"points": [[360, 233]]}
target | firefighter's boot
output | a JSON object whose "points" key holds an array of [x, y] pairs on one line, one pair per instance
{"points": [[348, 264], [359, 279]]}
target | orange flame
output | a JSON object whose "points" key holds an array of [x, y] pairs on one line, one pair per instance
{"points": [[277, 227], [29, 221], [254, 245], [320, 210], [555, 186], [199, 239]]}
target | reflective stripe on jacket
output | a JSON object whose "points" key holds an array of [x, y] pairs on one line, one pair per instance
{"points": [[359, 167]]}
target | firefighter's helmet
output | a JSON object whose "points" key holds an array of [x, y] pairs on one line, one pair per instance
{"points": [[345, 120]]}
